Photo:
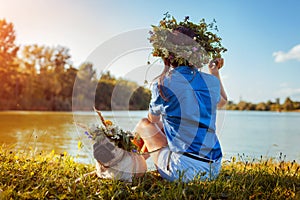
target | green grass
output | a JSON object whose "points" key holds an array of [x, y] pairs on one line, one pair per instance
{"points": [[50, 176]]}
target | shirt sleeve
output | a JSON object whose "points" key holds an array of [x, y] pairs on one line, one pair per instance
{"points": [[156, 101], [214, 87], [218, 92]]}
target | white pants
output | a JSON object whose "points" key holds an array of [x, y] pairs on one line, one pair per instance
{"points": [[180, 167]]}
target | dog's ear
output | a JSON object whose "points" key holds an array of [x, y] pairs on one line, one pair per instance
{"points": [[103, 153]]}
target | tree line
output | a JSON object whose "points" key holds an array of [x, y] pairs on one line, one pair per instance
{"points": [[40, 77], [288, 105]]}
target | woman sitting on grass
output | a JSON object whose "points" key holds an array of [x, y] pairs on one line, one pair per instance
{"points": [[181, 126]]}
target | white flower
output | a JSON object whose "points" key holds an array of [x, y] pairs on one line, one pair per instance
{"points": [[165, 52]]}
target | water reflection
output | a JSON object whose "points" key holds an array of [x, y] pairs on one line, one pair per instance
{"points": [[42, 131], [47, 131], [252, 133]]}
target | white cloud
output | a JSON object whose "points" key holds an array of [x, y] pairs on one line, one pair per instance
{"points": [[293, 54], [288, 92], [284, 85]]}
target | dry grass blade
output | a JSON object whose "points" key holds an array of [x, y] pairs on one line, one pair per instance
{"points": [[101, 117]]}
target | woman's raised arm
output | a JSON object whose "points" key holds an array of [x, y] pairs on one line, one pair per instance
{"points": [[214, 67]]}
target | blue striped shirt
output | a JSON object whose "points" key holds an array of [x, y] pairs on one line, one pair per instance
{"points": [[189, 114]]}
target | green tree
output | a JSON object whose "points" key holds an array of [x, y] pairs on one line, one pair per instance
{"points": [[104, 92], [120, 94], [262, 106], [8, 48], [242, 105], [46, 72], [85, 87], [296, 105], [27, 63], [67, 88], [140, 99], [288, 104], [8, 69]]}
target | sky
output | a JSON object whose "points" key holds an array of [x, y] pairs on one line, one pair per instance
{"points": [[262, 37]]}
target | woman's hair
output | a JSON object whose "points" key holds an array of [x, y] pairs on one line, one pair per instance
{"points": [[168, 63]]}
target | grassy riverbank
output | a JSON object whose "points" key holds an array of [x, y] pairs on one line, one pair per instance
{"points": [[50, 176]]}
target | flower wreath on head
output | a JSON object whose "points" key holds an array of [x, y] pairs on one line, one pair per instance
{"points": [[186, 43]]}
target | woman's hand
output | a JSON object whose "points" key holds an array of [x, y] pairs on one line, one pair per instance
{"points": [[153, 118], [215, 65]]}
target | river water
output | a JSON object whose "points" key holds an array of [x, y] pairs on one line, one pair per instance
{"points": [[251, 133]]}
